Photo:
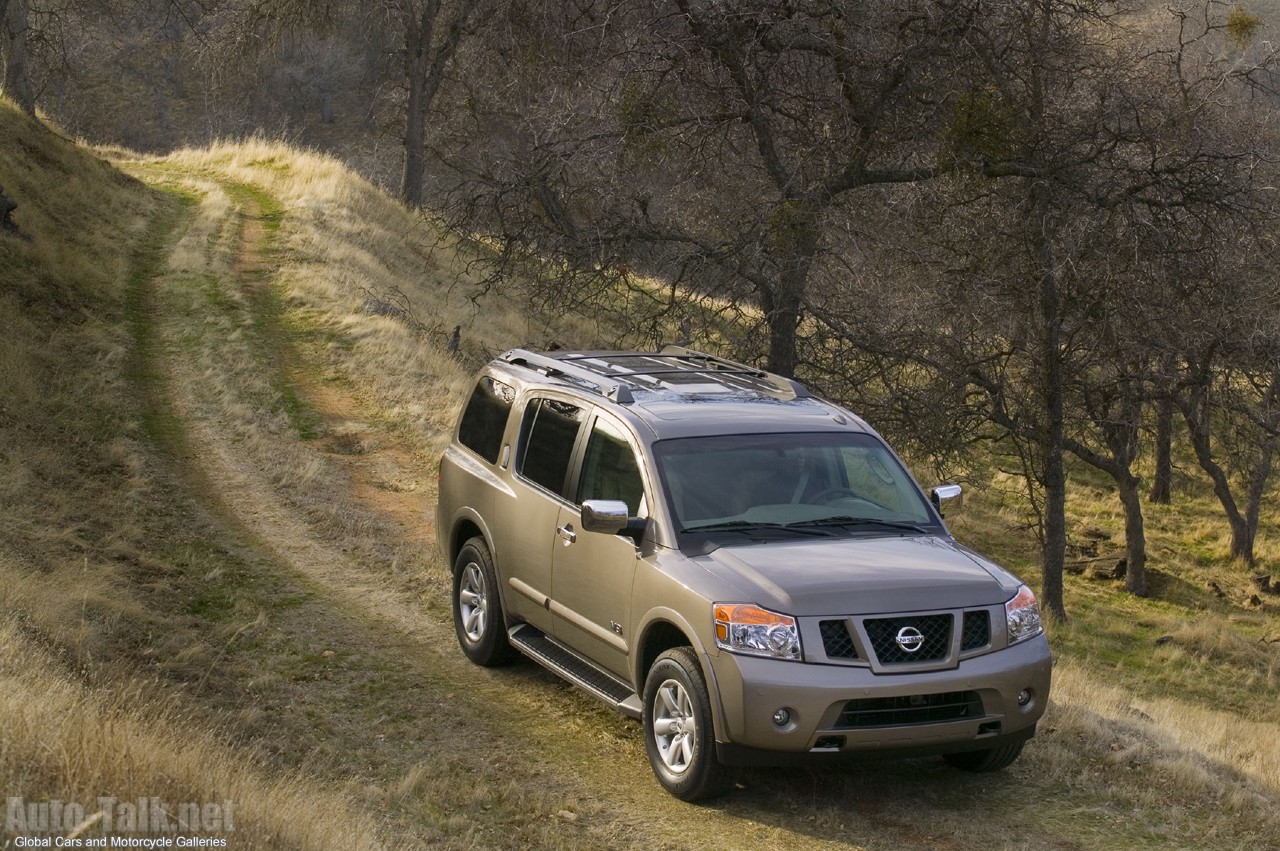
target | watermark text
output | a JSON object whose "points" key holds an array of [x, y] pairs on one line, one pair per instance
{"points": [[148, 822]]}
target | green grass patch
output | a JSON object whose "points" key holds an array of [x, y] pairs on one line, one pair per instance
{"points": [[147, 262]]}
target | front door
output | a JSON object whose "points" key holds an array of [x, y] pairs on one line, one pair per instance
{"points": [[592, 572]]}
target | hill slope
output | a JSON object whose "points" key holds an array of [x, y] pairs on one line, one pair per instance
{"points": [[225, 388]]}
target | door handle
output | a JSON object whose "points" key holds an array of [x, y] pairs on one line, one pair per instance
{"points": [[567, 534]]}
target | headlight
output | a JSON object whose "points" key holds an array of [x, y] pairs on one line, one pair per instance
{"points": [[1023, 616], [743, 628]]}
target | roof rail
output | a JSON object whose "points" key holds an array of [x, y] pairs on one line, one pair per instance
{"points": [[550, 366], [618, 385]]}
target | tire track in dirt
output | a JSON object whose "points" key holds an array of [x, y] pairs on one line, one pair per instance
{"points": [[238, 489]]}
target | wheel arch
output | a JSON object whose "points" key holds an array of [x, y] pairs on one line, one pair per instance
{"points": [[465, 527], [662, 631], [659, 637]]}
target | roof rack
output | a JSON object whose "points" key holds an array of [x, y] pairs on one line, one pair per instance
{"points": [[551, 366], [715, 364], [618, 384]]}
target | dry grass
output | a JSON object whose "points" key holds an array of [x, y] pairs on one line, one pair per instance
{"points": [[73, 744], [345, 242], [281, 475], [1172, 774], [1199, 750]]}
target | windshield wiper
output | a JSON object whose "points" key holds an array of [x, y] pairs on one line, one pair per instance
{"points": [[754, 526], [845, 520]]}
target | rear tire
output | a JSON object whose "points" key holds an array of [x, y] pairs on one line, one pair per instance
{"points": [[678, 733], [993, 759], [477, 608]]}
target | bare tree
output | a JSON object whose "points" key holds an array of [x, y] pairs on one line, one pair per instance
{"points": [[430, 33], [1230, 400], [766, 153], [1082, 190], [718, 144], [14, 34], [433, 30]]}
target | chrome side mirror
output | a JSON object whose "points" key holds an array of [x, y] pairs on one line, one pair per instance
{"points": [[944, 493], [609, 516]]}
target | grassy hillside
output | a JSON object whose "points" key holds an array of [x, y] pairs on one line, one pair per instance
{"points": [[98, 615], [224, 387]]}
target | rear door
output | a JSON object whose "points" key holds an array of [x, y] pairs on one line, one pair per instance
{"points": [[526, 529]]}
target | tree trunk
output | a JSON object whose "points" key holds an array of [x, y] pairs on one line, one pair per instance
{"points": [[1269, 424], [1042, 225], [1162, 479], [1121, 431], [1054, 448], [415, 119], [426, 60], [1135, 579], [782, 318], [1054, 554], [17, 71], [784, 302], [1196, 415]]}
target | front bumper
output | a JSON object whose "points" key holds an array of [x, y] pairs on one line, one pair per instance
{"points": [[834, 710]]}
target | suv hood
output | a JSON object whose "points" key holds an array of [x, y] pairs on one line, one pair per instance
{"points": [[862, 575]]}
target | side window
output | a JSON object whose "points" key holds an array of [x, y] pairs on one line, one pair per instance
{"points": [[485, 418], [550, 430], [609, 469]]}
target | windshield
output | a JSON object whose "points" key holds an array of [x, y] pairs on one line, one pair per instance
{"points": [[819, 480]]}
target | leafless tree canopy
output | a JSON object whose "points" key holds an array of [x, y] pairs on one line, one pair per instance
{"points": [[1039, 227]]}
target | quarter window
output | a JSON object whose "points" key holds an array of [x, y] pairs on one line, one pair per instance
{"points": [[485, 418], [550, 431]]}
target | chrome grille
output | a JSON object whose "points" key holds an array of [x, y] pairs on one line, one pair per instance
{"points": [[936, 630]]}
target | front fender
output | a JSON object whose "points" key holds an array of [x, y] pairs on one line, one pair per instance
{"points": [[663, 627]]}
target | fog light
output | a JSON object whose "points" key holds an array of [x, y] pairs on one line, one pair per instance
{"points": [[1024, 697], [782, 717]]}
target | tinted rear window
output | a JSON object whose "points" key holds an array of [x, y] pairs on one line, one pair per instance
{"points": [[485, 418]]}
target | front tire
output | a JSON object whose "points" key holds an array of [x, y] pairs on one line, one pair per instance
{"points": [[678, 733], [477, 609]]}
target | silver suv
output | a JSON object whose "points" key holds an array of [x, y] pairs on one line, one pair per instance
{"points": [[747, 568]]}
